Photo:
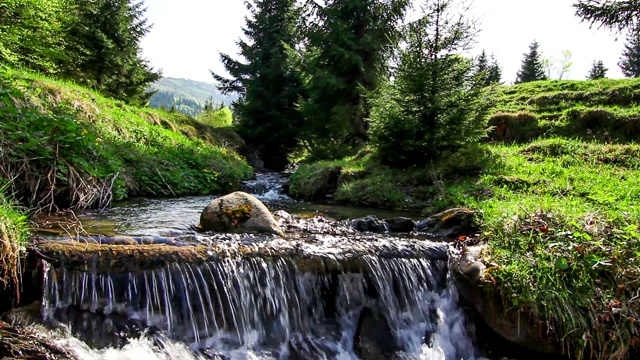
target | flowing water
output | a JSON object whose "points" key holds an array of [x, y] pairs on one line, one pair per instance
{"points": [[268, 307]]}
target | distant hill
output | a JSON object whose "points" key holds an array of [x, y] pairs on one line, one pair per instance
{"points": [[185, 95]]}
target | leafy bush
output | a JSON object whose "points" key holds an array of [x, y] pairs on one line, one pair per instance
{"points": [[222, 117]]}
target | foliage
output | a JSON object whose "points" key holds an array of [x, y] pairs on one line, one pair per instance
{"points": [[490, 72], [597, 71], [168, 100], [435, 105], [345, 56], [66, 146], [14, 232], [619, 14], [105, 37], [268, 85], [32, 33], [532, 66], [630, 61], [218, 117]]}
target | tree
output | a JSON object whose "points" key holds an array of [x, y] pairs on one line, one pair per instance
{"points": [[105, 35], [346, 57], [630, 61], [434, 105], [268, 84], [32, 34], [618, 15], [488, 69], [597, 71], [495, 72], [532, 66]]}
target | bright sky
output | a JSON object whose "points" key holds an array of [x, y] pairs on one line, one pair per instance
{"points": [[187, 35]]}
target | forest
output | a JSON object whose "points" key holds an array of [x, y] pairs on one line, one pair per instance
{"points": [[388, 101]]}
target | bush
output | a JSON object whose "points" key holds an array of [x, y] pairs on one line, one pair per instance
{"points": [[222, 117], [519, 127]]}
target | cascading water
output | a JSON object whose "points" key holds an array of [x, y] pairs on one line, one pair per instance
{"points": [[268, 309], [397, 302]]}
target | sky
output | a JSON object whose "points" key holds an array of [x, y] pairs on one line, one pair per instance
{"points": [[188, 35]]}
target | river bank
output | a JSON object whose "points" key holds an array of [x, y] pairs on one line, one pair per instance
{"points": [[556, 195]]}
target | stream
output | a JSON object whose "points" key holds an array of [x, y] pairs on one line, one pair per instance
{"points": [[398, 306]]}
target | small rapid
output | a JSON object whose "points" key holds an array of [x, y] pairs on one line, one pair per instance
{"points": [[337, 295]]}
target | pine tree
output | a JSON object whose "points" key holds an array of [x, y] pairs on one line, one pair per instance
{"points": [[434, 105], [619, 15], [489, 71], [532, 67], [630, 61], [268, 84], [597, 71], [105, 35], [495, 72], [345, 59]]}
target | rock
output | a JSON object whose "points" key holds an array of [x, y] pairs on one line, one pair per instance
{"points": [[238, 212], [23, 343], [450, 223], [488, 307], [373, 338], [282, 215], [369, 223], [400, 224]]}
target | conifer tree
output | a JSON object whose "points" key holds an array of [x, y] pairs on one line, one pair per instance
{"points": [[630, 61], [346, 56], [105, 37], [619, 14], [488, 69], [434, 105], [532, 66], [495, 71], [597, 71], [268, 84]]}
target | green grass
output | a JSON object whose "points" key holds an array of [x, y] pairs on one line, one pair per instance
{"points": [[558, 189], [606, 110], [64, 145]]}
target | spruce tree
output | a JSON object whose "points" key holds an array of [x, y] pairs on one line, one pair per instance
{"points": [[346, 57], [495, 72], [268, 85], [434, 106], [597, 71], [488, 69], [630, 61], [619, 14], [532, 66], [105, 35]]}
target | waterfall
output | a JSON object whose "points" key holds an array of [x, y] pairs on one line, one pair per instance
{"points": [[267, 308], [267, 187]]}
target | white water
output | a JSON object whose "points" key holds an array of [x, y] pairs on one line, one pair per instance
{"points": [[259, 308]]}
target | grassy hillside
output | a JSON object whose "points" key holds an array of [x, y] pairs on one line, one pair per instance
{"points": [[64, 145], [606, 110], [558, 200]]}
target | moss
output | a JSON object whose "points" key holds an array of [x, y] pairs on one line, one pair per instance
{"points": [[237, 215]]}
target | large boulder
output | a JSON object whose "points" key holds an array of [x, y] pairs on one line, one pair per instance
{"points": [[450, 223], [238, 212], [373, 339]]}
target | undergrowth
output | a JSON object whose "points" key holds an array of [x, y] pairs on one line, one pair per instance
{"points": [[66, 146], [14, 232]]}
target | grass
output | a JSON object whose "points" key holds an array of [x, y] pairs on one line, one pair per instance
{"points": [[14, 232], [64, 145], [560, 206]]}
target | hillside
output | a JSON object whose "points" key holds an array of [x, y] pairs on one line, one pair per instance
{"points": [[186, 96], [64, 145]]}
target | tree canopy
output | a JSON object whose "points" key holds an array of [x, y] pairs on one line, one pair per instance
{"points": [[532, 66], [630, 61]]}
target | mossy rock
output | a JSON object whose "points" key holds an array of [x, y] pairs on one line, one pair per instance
{"points": [[238, 212]]}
